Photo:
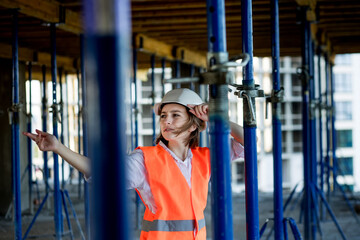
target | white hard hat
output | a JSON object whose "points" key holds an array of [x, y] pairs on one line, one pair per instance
{"points": [[181, 96]]}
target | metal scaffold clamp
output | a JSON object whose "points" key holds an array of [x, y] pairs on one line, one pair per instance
{"points": [[11, 110], [56, 109], [249, 93], [304, 75], [221, 70], [277, 96]]}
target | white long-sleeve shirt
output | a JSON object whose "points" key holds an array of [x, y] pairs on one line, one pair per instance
{"points": [[137, 175]]}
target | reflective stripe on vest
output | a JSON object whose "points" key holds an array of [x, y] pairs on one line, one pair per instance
{"points": [[171, 225]]}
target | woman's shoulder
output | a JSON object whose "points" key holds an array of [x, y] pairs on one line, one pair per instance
{"points": [[201, 149]]}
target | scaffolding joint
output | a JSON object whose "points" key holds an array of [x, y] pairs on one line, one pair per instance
{"points": [[15, 108], [249, 93], [304, 75], [277, 96], [56, 109]]}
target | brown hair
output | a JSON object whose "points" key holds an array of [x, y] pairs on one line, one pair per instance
{"points": [[194, 138]]}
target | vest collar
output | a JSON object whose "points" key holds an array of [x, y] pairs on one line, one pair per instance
{"points": [[187, 159]]}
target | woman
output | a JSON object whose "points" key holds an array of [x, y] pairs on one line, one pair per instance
{"points": [[172, 177]]}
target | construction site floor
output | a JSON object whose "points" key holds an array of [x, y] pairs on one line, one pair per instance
{"points": [[44, 225]]}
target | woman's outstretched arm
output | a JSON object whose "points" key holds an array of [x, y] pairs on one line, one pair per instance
{"points": [[48, 142]]}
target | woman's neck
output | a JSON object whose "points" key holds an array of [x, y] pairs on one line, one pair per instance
{"points": [[179, 149]]}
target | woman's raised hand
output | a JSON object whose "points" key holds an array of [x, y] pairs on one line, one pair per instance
{"points": [[44, 140], [201, 111]]}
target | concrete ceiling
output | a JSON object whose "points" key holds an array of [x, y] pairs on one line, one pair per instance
{"points": [[177, 28]]}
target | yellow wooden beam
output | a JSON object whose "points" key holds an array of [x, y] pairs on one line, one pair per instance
{"points": [[310, 14], [153, 46], [41, 58], [168, 51], [48, 11], [191, 57]]}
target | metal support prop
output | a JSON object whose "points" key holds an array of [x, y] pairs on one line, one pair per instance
{"points": [[107, 32], [44, 128], [313, 131], [219, 126], [177, 73], [276, 113], [305, 122], [163, 66], [29, 142], [327, 157], [152, 63], [68, 123], [57, 195], [85, 133], [333, 130], [80, 176], [320, 132], [192, 72], [15, 130], [61, 105], [251, 184], [136, 112]]}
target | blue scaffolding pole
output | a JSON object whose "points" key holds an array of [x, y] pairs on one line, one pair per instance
{"points": [[136, 135], [313, 138], [276, 113], [108, 40], [57, 194], [320, 131], [219, 126], [61, 104], [29, 142], [251, 184], [177, 72], [327, 157], [15, 131], [333, 130], [85, 134], [152, 63], [163, 66], [305, 123], [44, 127], [80, 176]]}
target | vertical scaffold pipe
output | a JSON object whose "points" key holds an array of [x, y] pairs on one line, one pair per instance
{"points": [[62, 127], [85, 133], [320, 131], [15, 131], [313, 138], [152, 63], [276, 111], [44, 127], [29, 141], [333, 130], [135, 108], [80, 176], [327, 158], [177, 72], [251, 184], [107, 32], [135, 66], [305, 121], [163, 66], [192, 72], [57, 195], [219, 126]]}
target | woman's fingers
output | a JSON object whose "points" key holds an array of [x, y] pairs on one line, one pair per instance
{"points": [[32, 136]]}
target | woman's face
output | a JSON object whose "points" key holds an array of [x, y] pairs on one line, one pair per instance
{"points": [[172, 117]]}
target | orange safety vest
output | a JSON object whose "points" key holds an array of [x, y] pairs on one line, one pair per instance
{"points": [[180, 210]]}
